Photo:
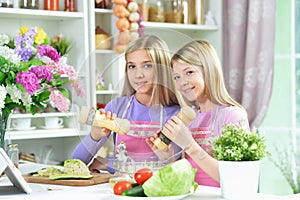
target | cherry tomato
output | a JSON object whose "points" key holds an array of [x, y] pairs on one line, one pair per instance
{"points": [[142, 175], [121, 186]]}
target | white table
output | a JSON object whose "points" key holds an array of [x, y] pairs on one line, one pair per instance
{"points": [[98, 192]]}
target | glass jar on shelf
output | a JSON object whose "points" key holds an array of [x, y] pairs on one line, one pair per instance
{"points": [[104, 4], [6, 3], [156, 11], [174, 11], [51, 5], [70, 6], [144, 8], [29, 4], [13, 154]]}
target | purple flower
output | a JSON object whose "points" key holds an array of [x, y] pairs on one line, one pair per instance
{"points": [[49, 51], [18, 41], [25, 53], [29, 37], [42, 73], [29, 81], [24, 45]]}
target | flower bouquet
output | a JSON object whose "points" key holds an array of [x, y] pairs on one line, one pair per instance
{"points": [[33, 75]]}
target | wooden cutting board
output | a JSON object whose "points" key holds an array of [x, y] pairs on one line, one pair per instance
{"points": [[97, 179]]}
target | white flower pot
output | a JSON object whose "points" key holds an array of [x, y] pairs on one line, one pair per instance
{"points": [[239, 179]]}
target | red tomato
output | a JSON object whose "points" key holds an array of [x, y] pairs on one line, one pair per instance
{"points": [[142, 175], [121, 186]]}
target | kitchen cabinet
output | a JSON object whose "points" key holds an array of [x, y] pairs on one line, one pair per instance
{"points": [[74, 26], [38, 129], [105, 63], [176, 35]]}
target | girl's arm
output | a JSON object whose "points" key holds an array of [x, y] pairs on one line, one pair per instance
{"points": [[88, 148], [181, 135], [207, 163]]}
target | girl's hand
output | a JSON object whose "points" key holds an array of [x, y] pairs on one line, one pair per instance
{"points": [[98, 132], [175, 130], [162, 155]]}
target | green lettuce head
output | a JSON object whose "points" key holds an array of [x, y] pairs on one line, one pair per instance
{"points": [[177, 178]]}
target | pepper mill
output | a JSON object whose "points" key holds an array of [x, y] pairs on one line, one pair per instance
{"points": [[186, 114], [94, 118]]}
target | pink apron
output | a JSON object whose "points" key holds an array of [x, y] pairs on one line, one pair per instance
{"points": [[136, 146], [203, 135]]}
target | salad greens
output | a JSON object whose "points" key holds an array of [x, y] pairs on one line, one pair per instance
{"points": [[177, 178]]}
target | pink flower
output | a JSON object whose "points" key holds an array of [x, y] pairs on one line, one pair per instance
{"points": [[49, 51], [66, 69], [42, 73], [29, 81], [60, 101], [62, 69], [77, 85], [69, 71]]}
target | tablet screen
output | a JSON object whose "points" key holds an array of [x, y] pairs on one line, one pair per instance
{"points": [[13, 173]]}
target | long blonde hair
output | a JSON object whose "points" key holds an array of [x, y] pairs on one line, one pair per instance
{"points": [[203, 55], [164, 91]]}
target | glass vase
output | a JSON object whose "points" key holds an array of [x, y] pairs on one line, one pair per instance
{"points": [[3, 125]]}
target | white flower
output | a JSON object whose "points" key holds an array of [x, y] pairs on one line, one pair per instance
{"points": [[4, 39], [10, 55], [2, 97], [14, 92], [63, 59], [45, 59], [26, 99]]}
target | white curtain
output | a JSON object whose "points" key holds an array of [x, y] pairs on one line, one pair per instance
{"points": [[248, 53]]}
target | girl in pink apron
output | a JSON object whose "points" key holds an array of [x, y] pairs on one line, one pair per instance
{"points": [[148, 100], [199, 78]]}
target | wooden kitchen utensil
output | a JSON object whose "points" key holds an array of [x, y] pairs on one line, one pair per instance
{"points": [[186, 114], [91, 117]]}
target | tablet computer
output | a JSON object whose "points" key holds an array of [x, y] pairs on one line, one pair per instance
{"points": [[13, 173]]}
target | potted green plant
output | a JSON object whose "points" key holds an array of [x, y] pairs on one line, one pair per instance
{"points": [[239, 152]]}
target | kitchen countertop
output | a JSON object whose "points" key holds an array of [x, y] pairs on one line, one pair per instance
{"points": [[98, 192]]}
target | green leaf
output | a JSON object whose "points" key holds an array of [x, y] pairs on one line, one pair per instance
{"points": [[64, 92], [237, 144], [42, 97], [2, 75]]}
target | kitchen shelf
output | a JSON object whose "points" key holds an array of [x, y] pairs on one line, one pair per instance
{"points": [[179, 26], [103, 11], [99, 92], [38, 115], [39, 14], [105, 52], [73, 25], [40, 133], [37, 130]]}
